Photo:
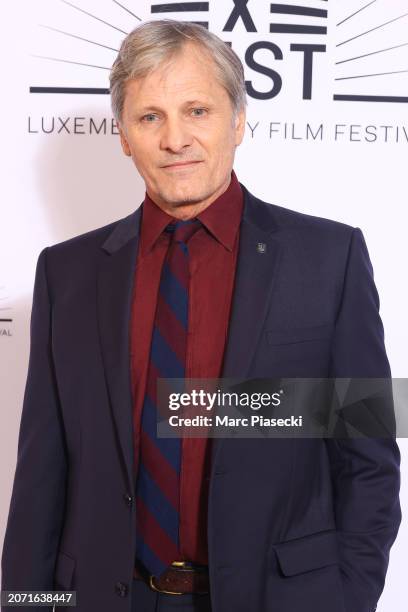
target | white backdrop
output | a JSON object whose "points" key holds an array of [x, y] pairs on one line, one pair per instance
{"points": [[63, 171]]}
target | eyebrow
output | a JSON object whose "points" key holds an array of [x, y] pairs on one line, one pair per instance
{"points": [[153, 107]]}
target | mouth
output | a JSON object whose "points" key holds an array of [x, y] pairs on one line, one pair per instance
{"points": [[182, 165]]}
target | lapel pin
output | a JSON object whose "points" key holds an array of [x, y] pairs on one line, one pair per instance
{"points": [[261, 247]]}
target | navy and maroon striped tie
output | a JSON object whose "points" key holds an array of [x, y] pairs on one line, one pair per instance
{"points": [[158, 480]]}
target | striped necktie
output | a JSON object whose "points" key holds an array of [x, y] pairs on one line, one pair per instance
{"points": [[158, 479]]}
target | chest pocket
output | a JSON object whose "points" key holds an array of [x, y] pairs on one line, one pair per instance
{"points": [[283, 337], [298, 352]]}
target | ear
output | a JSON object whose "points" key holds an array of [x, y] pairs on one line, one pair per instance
{"points": [[123, 141], [239, 126]]}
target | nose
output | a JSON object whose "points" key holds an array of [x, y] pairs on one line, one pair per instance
{"points": [[175, 135]]}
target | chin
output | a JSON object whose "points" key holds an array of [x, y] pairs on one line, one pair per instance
{"points": [[178, 197]]}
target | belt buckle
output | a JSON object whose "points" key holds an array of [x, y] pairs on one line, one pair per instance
{"points": [[154, 588], [185, 564]]}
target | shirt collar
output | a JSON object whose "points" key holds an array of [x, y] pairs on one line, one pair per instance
{"points": [[221, 218], [154, 221]]}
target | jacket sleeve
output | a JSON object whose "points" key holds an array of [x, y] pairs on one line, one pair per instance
{"points": [[38, 495], [365, 471]]}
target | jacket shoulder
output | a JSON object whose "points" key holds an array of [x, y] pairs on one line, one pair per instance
{"points": [[90, 243], [86, 240], [282, 218], [78, 256]]}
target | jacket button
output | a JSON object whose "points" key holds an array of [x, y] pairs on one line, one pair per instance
{"points": [[128, 499], [121, 589]]}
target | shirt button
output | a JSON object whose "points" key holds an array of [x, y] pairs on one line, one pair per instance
{"points": [[128, 499], [121, 589]]}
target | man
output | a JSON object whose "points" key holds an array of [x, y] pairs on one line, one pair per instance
{"points": [[203, 280]]}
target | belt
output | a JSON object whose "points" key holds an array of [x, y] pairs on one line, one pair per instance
{"points": [[179, 578]]}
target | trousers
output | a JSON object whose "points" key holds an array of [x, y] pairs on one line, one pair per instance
{"points": [[144, 599]]}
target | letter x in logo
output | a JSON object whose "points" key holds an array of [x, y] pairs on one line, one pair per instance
{"points": [[240, 10]]}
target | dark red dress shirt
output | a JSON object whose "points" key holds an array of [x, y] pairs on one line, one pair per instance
{"points": [[213, 252]]}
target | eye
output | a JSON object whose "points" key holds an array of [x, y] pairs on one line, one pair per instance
{"points": [[149, 117], [199, 112]]}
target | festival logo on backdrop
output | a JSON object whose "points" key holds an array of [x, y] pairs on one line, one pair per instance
{"points": [[313, 52]]}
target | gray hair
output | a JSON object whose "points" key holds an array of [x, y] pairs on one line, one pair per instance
{"points": [[149, 44]]}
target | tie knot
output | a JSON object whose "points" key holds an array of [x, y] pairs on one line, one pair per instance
{"points": [[183, 230]]}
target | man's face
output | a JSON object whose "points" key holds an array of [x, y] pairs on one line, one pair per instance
{"points": [[178, 126]]}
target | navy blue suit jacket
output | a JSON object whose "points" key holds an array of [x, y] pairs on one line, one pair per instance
{"points": [[294, 525]]}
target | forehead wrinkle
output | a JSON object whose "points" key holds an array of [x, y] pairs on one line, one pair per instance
{"points": [[179, 92], [171, 84], [200, 59]]}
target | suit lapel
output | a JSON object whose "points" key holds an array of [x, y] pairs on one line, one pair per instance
{"points": [[114, 297], [258, 258], [257, 264]]}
